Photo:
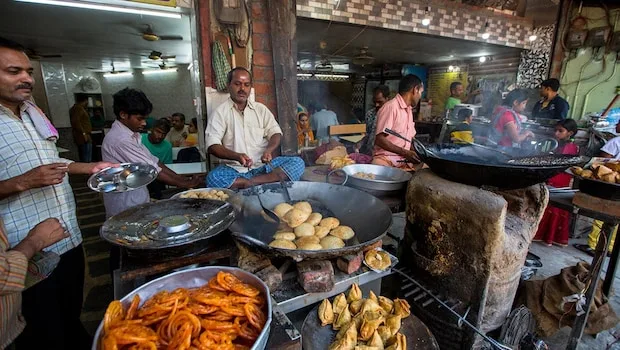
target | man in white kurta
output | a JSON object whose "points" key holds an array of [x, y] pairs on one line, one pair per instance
{"points": [[244, 135]]}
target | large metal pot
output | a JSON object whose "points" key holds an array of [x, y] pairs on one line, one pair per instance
{"points": [[386, 179], [192, 279], [367, 215]]}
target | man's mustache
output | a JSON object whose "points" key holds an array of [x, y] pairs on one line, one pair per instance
{"points": [[24, 86]]}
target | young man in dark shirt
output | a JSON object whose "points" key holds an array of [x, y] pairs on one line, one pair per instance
{"points": [[552, 106]]}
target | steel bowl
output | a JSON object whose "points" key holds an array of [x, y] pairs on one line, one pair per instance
{"points": [[386, 179], [126, 177], [194, 278]]}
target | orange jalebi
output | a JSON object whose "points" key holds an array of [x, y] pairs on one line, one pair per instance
{"points": [[224, 314]]}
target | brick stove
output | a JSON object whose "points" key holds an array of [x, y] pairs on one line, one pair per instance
{"points": [[468, 245]]}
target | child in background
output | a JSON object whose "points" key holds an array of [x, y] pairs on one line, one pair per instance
{"points": [[463, 133], [553, 228], [192, 134]]}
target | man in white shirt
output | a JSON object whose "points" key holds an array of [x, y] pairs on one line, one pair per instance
{"points": [[611, 149], [244, 135], [179, 131]]}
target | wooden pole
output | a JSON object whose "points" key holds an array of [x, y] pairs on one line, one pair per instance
{"points": [[283, 24]]}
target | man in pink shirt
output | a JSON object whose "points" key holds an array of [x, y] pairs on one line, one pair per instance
{"points": [[396, 115]]}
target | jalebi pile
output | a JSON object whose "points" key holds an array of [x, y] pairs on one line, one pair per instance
{"points": [[225, 313]]}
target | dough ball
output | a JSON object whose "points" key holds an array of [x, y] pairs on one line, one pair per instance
{"points": [[287, 236], [303, 206], [321, 231], [281, 209], [314, 219], [304, 230], [331, 242], [283, 244], [343, 232], [330, 223], [295, 217], [308, 239], [310, 246]]}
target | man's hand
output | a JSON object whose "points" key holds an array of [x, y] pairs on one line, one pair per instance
{"points": [[412, 156], [244, 159], [100, 166], [266, 157], [196, 181], [41, 176], [42, 236]]}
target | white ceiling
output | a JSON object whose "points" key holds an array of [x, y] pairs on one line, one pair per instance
{"points": [[92, 38], [387, 46]]}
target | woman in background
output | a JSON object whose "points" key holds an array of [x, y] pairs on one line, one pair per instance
{"points": [[303, 129], [553, 228], [507, 124], [192, 134]]}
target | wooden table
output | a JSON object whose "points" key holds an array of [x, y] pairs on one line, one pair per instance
{"points": [[608, 212], [318, 173]]}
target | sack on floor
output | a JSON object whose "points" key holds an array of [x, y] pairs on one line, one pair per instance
{"points": [[545, 299]]}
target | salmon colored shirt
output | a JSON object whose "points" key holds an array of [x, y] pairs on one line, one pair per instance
{"points": [[395, 115]]}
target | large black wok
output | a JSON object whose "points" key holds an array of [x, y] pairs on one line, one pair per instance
{"points": [[368, 216], [478, 166]]}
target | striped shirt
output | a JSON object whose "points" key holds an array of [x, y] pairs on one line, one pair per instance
{"points": [[24, 149], [13, 268]]}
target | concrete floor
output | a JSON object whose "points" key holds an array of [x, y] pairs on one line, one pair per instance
{"points": [[555, 258]]}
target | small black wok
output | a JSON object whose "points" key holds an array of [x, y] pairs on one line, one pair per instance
{"points": [[485, 167]]}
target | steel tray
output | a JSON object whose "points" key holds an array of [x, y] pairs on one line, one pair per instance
{"points": [[124, 178]]}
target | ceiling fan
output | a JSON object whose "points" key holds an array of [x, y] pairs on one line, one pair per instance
{"points": [[163, 65], [113, 71], [156, 55], [363, 57], [149, 34], [34, 55]]}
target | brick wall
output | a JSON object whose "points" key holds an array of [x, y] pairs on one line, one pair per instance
{"points": [[448, 18], [262, 56]]}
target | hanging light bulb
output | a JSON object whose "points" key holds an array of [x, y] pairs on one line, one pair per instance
{"points": [[482, 59], [427, 19], [486, 34], [533, 37]]}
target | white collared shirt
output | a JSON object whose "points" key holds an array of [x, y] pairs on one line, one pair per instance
{"points": [[242, 132]]}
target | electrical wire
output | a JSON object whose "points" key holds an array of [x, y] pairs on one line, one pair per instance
{"points": [[350, 41]]}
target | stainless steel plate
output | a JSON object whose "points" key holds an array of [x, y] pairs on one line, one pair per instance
{"points": [[194, 278], [168, 223], [126, 177]]}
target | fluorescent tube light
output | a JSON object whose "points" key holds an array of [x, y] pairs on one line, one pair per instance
{"points": [[123, 74], [93, 6], [159, 71]]}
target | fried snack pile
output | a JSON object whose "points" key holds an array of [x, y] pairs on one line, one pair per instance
{"points": [[367, 176], [307, 230], [212, 194], [608, 172], [226, 313], [372, 323], [377, 259], [340, 162]]}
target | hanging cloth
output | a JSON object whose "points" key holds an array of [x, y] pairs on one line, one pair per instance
{"points": [[221, 67]]}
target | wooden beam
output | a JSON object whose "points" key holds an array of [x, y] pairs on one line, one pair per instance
{"points": [[283, 25]]}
